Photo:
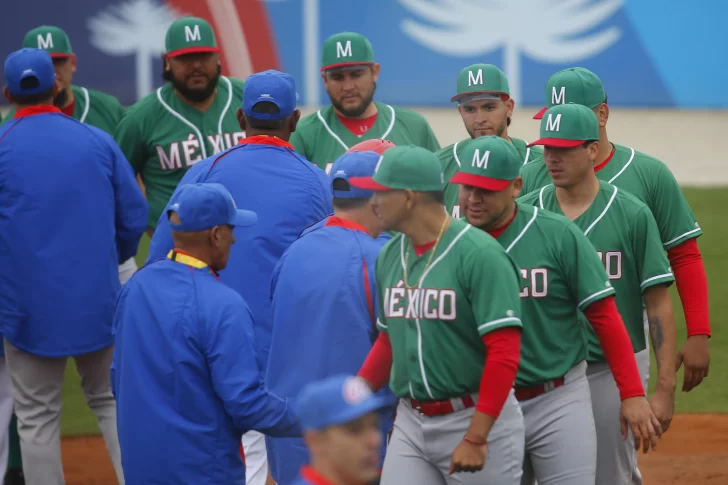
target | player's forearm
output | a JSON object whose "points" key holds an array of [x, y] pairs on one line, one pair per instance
{"points": [[378, 364], [692, 285], [662, 335], [614, 339]]}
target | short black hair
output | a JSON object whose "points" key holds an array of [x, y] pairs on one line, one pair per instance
{"points": [[508, 121], [31, 99], [437, 196], [266, 107], [589, 142], [341, 203]]}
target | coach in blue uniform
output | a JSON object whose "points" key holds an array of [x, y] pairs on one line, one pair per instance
{"points": [[185, 375], [70, 212], [324, 302], [289, 193]]}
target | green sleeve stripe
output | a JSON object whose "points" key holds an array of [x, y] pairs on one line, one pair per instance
{"points": [[656, 280], [381, 325], [513, 321], [693, 233], [596, 296]]}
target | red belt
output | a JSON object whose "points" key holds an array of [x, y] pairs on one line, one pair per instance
{"points": [[438, 408], [526, 393]]}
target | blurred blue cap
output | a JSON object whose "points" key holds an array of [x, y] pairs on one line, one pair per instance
{"points": [[336, 400], [27, 64], [354, 164], [204, 206], [269, 86]]}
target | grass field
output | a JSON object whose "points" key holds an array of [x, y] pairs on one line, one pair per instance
{"points": [[711, 396]]}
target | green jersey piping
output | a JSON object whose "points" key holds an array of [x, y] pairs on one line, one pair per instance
{"points": [[658, 277], [88, 104], [341, 142], [419, 285], [629, 162], [528, 152], [518, 238], [609, 204]]}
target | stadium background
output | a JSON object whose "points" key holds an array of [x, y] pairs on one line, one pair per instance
{"points": [[663, 64]]}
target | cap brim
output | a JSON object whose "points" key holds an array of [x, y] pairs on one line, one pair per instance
{"points": [[192, 50], [61, 55], [367, 183], [487, 183], [539, 115], [346, 65], [473, 94], [372, 404], [557, 142], [244, 218]]}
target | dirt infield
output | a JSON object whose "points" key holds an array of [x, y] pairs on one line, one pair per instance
{"points": [[693, 452]]}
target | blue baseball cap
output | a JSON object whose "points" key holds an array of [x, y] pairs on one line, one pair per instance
{"points": [[336, 400], [29, 63], [270, 86], [354, 164], [204, 206]]}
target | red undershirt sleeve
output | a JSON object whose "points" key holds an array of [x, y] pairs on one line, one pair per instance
{"points": [[503, 354], [692, 285], [378, 365], [607, 322]]}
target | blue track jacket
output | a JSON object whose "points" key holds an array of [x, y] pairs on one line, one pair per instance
{"points": [[186, 379], [288, 193], [324, 313], [70, 212]]}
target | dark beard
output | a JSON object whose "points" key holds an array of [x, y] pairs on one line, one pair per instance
{"points": [[355, 112], [196, 95], [61, 98]]}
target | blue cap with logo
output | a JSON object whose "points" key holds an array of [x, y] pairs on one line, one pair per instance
{"points": [[204, 206], [336, 400], [354, 164], [29, 64], [270, 86]]}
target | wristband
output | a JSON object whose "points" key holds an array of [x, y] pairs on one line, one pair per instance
{"points": [[473, 442]]}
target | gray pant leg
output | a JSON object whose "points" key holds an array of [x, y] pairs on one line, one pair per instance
{"points": [[504, 463], [405, 461], [561, 443], [95, 372], [528, 477], [127, 270], [37, 383], [6, 413], [616, 458]]}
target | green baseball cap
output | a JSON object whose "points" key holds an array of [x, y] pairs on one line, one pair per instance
{"points": [[568, 125], [481, 81], [189, 35], [405, 168], [51, 39], [346, 49], [574, 85], [495, 163]]}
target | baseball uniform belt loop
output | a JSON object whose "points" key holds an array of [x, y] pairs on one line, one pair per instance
{"points": [[439, 408], [526, 393]]}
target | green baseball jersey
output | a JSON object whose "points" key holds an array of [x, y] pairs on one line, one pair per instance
{"points": [[162, 136], [435, 320], [646, 178], [625, 235], [322, 138], [92, 107], [560, 277]]}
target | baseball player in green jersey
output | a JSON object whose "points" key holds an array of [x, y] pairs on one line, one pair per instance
{"points": [[561, 278], [626, 237], [450, 330], [652, 182], [350, 77], [486, 107], [86, 105], [190, 118]]}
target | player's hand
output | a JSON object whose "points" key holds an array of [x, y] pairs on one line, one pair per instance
{"points": [[636, 415], [695, 354], [663, 406], [468, 457]]}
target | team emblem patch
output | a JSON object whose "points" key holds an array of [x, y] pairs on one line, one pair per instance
{"points": [[355, 391]]}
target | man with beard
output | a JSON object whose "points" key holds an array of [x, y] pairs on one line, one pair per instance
{"points": [[486, 106], [190, 118], [350, 78]]}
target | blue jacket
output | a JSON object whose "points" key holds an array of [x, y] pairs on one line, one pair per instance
{"points": [[324, 312], [185, 378], [70, 212], [287, 192]]}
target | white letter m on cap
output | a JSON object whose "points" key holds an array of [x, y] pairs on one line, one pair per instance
{"points": [[192, 35], [553, 124], [475, 80], [46, 43], [481, 162], [560, 97], [343, 51]]}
